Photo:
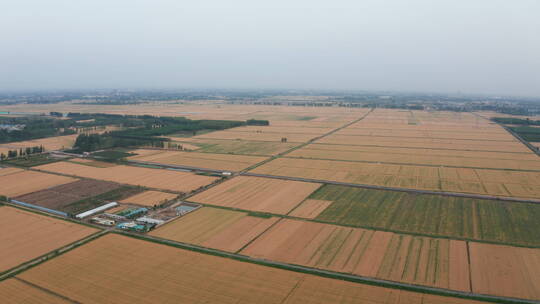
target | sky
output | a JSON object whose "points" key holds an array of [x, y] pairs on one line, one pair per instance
{"points": [[453, 46]]}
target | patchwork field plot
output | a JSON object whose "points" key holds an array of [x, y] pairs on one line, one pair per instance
{"points": [[257, 194], [196, 159], [480, 181], [404, 258], [111, 261], [13, 291], [487, 220], [239, 146], [59, 197], [439, 153], [505, 271], [149, 198], [137, 176], [23, 182], [282, 129], [310, 208], [257, 136], [26, 235], [426, 143], [311, 151], [425, 133], [216, 228]]}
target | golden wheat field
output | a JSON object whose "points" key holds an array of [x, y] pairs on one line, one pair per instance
{"points": [[111, 261], [9, 170], [426, 133], [202, 110], [505, 271], [385, 255], [27, 235], [137, 176], [257, 194], [479, 181], [23, 182], [426, 143], [215, 228], [435, 153], [242, 147], [310, 208], [262, 136], [453, 161], [195, 159], [15, 291]]}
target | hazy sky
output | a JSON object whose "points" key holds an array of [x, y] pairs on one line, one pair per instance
{"points": [[469, 46]]}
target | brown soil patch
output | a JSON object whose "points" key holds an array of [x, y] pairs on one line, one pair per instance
{"points": [[63, 195]]}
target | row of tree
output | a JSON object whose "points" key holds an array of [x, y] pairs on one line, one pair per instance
{"points": [[22, 152]]}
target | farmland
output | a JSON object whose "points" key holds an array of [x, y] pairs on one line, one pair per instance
{"points": [[310, 208], [237, 146], [196, 159], [15, 291], [505, 271], [258, 136], [59, 197], [215, 228], [257, 194], [137, 176], [27, 235], [523, 184], [149, 198], [449, 242], [425, 143], [419, 260], [23, 182], [527, 161], [110, 263], [495, 221]]}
